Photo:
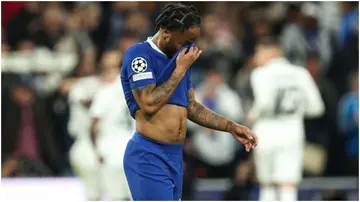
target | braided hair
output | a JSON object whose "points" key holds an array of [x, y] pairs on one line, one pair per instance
{"points": [[177, 17]]}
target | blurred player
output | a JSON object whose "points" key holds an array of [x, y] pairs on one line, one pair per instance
{"points": [[160, 97], [283, 95], [110, 130], [105, 177], [82, 156]]}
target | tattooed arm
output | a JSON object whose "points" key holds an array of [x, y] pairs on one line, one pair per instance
{"points": [[151, 97], [203, 116]]}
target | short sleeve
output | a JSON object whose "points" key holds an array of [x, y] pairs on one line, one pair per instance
{"points": [[139, 70], [99, 106]]}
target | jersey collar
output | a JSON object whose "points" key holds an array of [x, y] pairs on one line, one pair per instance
{"points": [[277, 60], [153, 45]]}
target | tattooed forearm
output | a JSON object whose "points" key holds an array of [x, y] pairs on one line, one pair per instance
{"points": [[155, 97], [203, 116], [163, 92], [207, 118]]}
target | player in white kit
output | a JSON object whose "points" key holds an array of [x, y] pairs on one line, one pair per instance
{"points": [[110, 130], [82, 156], [101, 93], [283, 95]]}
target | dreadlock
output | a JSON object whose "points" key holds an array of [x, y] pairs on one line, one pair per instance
{"points": [[177, 16]]}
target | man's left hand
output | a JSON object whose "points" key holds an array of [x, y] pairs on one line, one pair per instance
{"points": [[100, 159], [245, 136]]}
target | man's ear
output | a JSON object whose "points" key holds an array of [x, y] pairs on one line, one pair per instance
{"points": [[166, 34]]}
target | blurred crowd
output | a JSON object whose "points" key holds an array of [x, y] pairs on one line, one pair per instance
{"points": [[47, 47]]}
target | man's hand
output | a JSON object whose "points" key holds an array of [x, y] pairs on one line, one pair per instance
{"points": [[185, 60], [203, 116], [244, 135], [67, 85], [151, 98], [100, 159], [86, 103]]}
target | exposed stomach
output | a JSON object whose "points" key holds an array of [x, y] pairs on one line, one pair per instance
{"points": [[168, 125]]}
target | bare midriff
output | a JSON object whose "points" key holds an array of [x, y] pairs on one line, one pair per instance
{"points": [[168, 125]]}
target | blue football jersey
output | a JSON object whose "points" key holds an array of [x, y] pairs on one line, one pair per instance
{"points": [[144, 64]]}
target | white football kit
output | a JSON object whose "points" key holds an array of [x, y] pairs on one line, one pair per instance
{"points": [[82, 156], [283, 95], [116, 127]]}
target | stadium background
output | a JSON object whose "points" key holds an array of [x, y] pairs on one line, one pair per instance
{"points": [[47, 47]]}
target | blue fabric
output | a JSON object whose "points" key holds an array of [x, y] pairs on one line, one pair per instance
{"points": [[348, 25], [153, 169], [210, 103], [312, 37], [348, 113], [159, 67]]}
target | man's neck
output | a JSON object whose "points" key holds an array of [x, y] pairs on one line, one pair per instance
{"points": [[275, 57], [158, 42]]}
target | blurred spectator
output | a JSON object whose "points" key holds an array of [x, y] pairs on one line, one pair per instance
{"points": [[5, 48], [349, 24], [139, 24], [243, 182], [22, 25], [320, 130], [118, 20], [243, 86], [87, 65], [83, 19], [126, 40], [305, 35], [253, 32], [51, 28], [26, 131], [207, 147], [91, 13], [219, 44], [217, 96], [24, 167], [81, 154], [217, 36], [343, 62], [349, 124], [25, 46], [329, 15], [126, 7]]}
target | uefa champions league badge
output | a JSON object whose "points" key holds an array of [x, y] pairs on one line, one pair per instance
{"points": [[139, 65]]}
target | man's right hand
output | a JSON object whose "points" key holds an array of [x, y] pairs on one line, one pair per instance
{"points": [[185, 60]]}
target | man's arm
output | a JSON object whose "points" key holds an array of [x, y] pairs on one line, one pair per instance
{"points": [[262, 92], [203, 116], [151, 97], [98, 110], [315, 104], [94, 127]]}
